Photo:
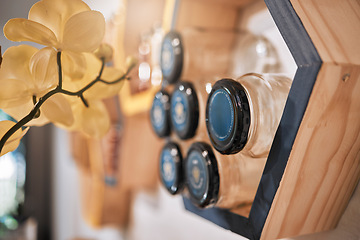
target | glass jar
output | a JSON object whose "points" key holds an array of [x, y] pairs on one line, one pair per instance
{"points": [[184, 110], [243, 115], [171, 168], [187, 108], [194, 53], [221, 180], [160, 114]]}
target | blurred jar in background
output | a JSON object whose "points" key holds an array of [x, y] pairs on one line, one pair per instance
{"points": [[156, 40], [243, 115], [171, 168], [144, 70], [160, 114], [149, 71], [194, 53], [184, 110], [253, 54]]}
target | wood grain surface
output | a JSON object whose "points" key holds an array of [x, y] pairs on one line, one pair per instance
{"points": [[324, 166], [333, 27]]}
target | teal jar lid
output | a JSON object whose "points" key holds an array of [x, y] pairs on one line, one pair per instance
{"points": [[171, 57], [201, 174], [228, 116], [171, 163], [184, 110], [160, 114]]}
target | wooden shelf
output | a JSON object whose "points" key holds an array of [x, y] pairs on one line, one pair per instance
{"points": [[314, 163]]}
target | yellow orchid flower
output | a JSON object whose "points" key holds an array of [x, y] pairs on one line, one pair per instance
{"points": [[99, 90], [13, 142], [92, 120], [26, 75], [69, 26]]}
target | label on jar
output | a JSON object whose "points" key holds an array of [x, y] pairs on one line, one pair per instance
{"points": [[179, 110], [220, 115], [158, 115], [167, 58], [197, 175], [168, 169]]}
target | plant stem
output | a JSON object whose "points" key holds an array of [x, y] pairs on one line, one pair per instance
{"points": [[58, 61], [58, 89], [26, 119]]}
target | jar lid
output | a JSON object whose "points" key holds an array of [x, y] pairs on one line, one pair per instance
{"points": [[171, 57], [171, 173], [201, 174], [160, 114], [228, 116], [184, 110]]}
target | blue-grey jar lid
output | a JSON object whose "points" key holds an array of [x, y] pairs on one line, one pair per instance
{"points": [[171, 57], [201, 174], [228, 116], [184, 110], [171, 164], [160, 114]]}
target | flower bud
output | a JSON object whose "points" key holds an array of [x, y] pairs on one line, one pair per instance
{"points": [[104, 51], [130, 62]]}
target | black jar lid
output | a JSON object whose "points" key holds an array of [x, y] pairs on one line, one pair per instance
{"points": [[201, 174], [160, 114], [184, 110], [228, 116], [171, 164], [171, 57]]}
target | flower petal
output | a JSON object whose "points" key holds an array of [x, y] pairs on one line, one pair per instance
{"points": [[13, 142], [93, 121], [19, 29], [44, 71], [13, 92], [93, 66], [22, 110], [73, 64], [84, 31], [58, 110], [15, 64], [54, 13], [101, 90]]}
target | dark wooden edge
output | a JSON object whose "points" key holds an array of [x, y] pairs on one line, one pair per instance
{"points": [[309, 63]]}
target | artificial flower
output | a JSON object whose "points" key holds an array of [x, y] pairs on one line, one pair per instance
{"points": [[99, 90], [105, 52], [92, 120], [69, 26], [13, 142], [26, 75]]}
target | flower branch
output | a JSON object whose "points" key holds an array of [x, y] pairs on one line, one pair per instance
{"points": [[38, 85], [37, 104]]}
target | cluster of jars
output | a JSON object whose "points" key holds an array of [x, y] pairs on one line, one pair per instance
{"points": [[218, 130]]}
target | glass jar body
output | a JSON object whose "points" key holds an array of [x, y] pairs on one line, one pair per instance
{"points": [[267, 94], [206, 52]]}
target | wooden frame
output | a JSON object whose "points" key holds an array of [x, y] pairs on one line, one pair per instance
{"points": [[314, 163]]}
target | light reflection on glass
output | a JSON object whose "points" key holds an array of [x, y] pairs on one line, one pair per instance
{"points": [[208, 87], [156, 76], [144, 71]]}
